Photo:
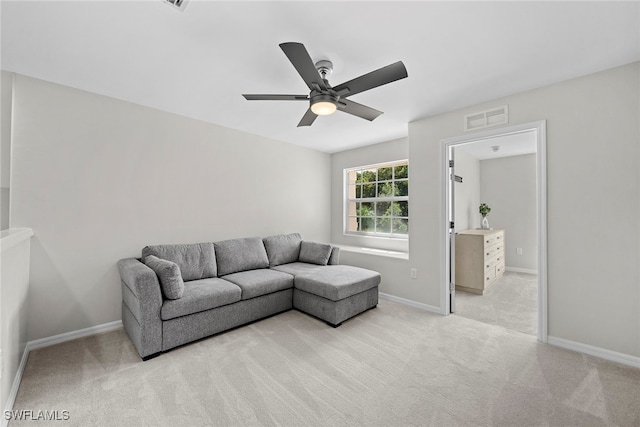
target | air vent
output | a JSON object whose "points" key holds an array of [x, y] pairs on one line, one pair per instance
{"points": [[178, 4], [483, 119]]}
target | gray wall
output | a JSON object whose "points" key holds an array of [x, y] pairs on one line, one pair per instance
{"points": [[593, 198], [6, 86], [467, 192], [508, 186], [97, 179]]}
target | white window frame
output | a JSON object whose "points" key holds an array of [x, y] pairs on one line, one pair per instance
{"points": [[347, 217]]}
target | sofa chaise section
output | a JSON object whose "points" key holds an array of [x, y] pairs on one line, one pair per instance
{"points": [[336, 293]]}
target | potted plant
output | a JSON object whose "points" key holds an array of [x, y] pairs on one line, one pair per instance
{"points": [[484, 210]]}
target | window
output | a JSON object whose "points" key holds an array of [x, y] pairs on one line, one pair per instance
{"points": [[377, 200]]}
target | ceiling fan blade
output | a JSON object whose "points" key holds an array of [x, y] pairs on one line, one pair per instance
{"points": [[276, 97], [299, 57], [358, 110], [308, 118], [376, 78]]}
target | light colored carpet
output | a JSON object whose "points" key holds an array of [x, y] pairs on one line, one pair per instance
{"points": [[394, 365], [511, 303]]}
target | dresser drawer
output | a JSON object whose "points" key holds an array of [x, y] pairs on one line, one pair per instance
{"points": [[499, 269], [492, 239], [493, 251], [494, 260], [489, 276]]}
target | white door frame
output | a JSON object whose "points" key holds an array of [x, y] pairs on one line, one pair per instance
{"points": [[541, 214]]}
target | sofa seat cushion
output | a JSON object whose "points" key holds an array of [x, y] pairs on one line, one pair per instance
{"points": [[196, 260], [296, 268], [238, 255], [336, 282], [255, 283], [201, 295]]}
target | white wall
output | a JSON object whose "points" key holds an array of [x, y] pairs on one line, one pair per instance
{"points": [[97, 179], [6, 86], [467, 192], [508, 186], [593, 184], [15, 244]]}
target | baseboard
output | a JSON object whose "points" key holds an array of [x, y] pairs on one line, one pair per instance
{"points": [[411, 303], [13, 392], [613, 356], [68, 336], [45, 342], [521, 270]]}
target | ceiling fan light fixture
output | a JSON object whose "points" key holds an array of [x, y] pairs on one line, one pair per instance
{"points": [[323, 105]]}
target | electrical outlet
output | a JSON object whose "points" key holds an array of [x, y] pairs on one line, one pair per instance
{"points": [[414, 273], [518, 251]]}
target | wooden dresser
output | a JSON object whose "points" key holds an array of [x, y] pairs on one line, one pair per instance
{"points": [[479, 259]]}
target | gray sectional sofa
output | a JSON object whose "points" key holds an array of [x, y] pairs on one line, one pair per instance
{"points": [[175, 294]]}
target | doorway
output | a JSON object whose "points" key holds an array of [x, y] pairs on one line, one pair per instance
{"points": [[526, 254]]}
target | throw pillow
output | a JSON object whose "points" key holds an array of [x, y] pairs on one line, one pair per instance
{"points": [[315, 253], [169, 274]]}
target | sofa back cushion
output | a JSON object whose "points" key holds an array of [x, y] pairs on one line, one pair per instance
{"points": [[283, 248], [315, 253], [169, 275], [240, 255], [196, 261]]}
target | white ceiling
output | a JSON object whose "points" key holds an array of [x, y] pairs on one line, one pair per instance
{"points": [[197, 63], [515, 144]]}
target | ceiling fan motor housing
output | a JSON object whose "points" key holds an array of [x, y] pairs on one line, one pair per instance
{"points": [[324, 67]]}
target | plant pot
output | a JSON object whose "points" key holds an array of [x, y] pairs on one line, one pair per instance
{"points": [[485, 223]]}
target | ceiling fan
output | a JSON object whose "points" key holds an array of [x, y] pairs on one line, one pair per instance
{"points": [[324, 99]]}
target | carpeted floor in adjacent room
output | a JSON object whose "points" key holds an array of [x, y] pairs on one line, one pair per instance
{"points": [[511, 302], [391, 366]]}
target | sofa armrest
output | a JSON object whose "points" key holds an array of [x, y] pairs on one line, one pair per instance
{"points": [[334, 258], [142, 302]]}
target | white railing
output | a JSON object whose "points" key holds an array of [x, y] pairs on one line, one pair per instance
{"points": [[15, 244]]}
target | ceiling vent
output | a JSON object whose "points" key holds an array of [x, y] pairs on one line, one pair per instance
{"points": [[487, 118], [178, 4]]}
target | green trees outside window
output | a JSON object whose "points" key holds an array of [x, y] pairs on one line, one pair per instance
{"points": [[378, 200]]}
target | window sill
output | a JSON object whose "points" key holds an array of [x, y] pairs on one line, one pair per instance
{"points": [[372, 251], [397, 237]]}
